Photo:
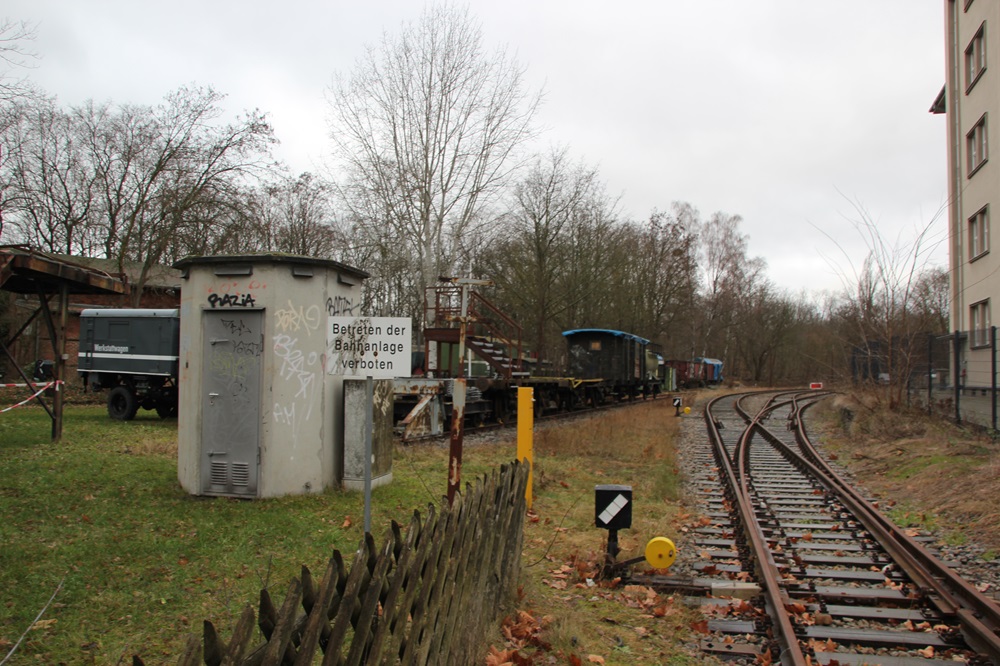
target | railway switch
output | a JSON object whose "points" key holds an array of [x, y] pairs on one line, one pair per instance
{"points": [[660, 552]]}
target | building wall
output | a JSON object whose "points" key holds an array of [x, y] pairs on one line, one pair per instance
{"points": [[972, 27]]}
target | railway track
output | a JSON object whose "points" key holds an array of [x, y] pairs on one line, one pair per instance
{"points": [[471, 428], [802, 569]]}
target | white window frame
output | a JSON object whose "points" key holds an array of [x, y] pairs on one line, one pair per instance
{"points": [[975, 58], [979, 233], [979, 320], [976, 142]]}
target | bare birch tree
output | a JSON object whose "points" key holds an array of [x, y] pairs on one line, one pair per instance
{"points": [[425, 129], [729, 275]]}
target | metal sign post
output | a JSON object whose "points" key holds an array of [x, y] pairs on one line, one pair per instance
{"points": [[369, 426], [612, 511], [373, 348]]}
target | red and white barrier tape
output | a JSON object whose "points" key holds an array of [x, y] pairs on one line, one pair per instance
{"points": [[29, 399], [32, 384]]}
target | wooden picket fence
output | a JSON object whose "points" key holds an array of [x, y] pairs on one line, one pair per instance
{"points": [[428, 598]]}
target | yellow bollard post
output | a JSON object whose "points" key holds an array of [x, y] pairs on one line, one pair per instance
{"points": [[525, 432]]}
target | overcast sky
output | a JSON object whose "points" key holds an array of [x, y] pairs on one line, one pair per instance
{"points": [[785, 112]]}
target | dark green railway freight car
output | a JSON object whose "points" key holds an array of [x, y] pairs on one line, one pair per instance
{"points": [[617, 358], [134, 354]]}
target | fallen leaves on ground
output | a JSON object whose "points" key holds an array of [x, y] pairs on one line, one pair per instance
{"points": [[521, 631]]}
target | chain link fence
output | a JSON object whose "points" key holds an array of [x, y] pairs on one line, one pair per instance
{"points": [[959, 379]]}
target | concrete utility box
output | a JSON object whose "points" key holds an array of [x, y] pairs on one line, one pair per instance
{"points": [[355, 425], [259, 416]]}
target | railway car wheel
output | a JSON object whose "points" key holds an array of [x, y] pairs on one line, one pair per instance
{"points": [[539, 405], [122, 404]]}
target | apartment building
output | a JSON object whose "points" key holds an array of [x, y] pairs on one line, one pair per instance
{"points": [[971, 101]]}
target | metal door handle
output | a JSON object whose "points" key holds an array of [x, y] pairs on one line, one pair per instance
{"points": [[213, 395]]}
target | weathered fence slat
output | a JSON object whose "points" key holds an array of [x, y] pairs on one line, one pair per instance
{"points": [[369, 605], [359, 573], [399, 639], [267, 616], [317, 618], [240, 641], [428, 598], [433, 583], [390, 609], [215, 647], [281, 639], [308, 589]]}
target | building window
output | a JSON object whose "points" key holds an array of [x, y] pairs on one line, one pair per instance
{"points": [[975, 58], [979, 233], [975, 143], [980, 320]]}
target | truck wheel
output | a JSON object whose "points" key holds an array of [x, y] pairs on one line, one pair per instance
{"points": [[122, 404], [166, 410]]}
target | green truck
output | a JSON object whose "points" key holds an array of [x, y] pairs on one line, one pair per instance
{"points": [[133, 354]]}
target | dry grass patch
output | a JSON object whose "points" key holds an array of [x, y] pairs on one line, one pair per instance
{"points": [[564, 550], [935, 474]]}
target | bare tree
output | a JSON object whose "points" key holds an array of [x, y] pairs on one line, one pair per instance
{"points": [[766, 321], [302, 217], [162, 169], [729, 275], [15, 55], [50, 179], [885, 302], [531, 260], [425, 129], [655, 276]]}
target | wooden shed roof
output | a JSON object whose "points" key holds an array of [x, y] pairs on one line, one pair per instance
{"points": [[27, 271]]}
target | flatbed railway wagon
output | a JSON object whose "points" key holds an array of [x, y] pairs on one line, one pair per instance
{"points": [[134, 354]]}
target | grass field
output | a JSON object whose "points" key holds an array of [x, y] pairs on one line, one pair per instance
{"points": [[138, 563]]}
